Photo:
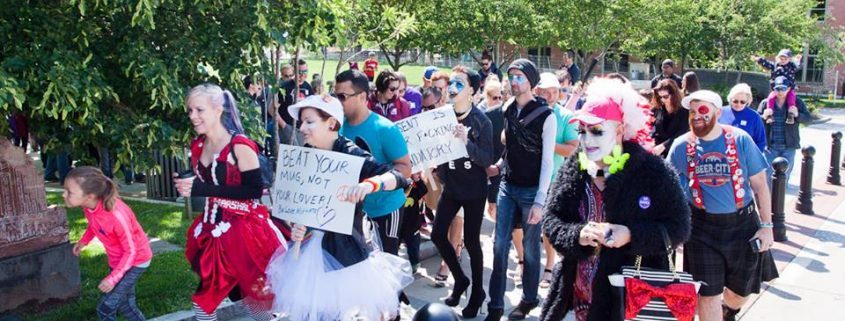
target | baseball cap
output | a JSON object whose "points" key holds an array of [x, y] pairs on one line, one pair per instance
{"points": [[781, 82], [429, 72], [705, 96], [328, 104], [548, 80], [785, 52], [598, 110]]}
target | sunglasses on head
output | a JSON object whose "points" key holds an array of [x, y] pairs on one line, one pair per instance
{"points": [[737, 101], [344, 97]]}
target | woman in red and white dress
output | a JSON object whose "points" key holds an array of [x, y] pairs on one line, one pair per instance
{"points": [[230, 244]]}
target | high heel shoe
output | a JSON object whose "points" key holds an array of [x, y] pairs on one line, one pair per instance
{"points": [[460, 287], [475, 302]]}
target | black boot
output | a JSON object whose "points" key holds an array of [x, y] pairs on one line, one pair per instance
{"points": [[460, 287], [729, 314], [494, 314], [520, 312], [475, 301]]}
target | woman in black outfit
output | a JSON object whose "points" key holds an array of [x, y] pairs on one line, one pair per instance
{"points": [[670, 119], [465, 186]]}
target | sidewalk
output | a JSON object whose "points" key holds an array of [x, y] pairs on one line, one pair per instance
{"points": [[812, 262]]}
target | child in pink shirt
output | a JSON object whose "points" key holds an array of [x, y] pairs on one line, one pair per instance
{"points": [[113, 223]]}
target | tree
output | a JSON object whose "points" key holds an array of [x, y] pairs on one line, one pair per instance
{"points": [[466, 26], [114, 73]]}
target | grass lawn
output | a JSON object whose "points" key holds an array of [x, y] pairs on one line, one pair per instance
{"points": [[413, 73], [166, 286]]}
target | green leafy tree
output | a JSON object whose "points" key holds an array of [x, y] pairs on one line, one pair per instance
{"points": [[114, 73]]}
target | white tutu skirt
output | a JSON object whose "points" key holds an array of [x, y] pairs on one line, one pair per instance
{"points": [[315, 287]]}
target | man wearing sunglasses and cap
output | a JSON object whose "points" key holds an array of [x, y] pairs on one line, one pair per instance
{"points": [[720, 167], [529, 138]]}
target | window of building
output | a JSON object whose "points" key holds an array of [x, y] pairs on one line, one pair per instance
{"points": [[819, 10], [812, 67], [616, 62], [541, 57]]}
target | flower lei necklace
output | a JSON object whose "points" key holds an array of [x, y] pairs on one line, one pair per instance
{"points": [[615, 161]]}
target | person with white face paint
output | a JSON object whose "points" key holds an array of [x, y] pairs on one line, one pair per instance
{"points": [[465, 187], [338, 276], [612, 202], [721, 166]]}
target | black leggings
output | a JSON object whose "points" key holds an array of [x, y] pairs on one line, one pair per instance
{"points": [[473, 216]]}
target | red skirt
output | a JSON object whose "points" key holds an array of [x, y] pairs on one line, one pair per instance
{"points": [[234, 252]]}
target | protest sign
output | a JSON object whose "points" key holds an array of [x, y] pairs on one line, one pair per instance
{"points": [[306, 185], [431, 139]]}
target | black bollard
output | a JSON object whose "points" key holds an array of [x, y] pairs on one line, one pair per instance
{"points": [[805, 195], [836, 148], [780, 165]]}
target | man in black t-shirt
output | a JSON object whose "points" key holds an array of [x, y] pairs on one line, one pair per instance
{"points": [[287, 98]]}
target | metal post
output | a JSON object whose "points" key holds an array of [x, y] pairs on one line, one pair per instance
{"points": [[805, 195], [780, 165], [836, 148]]}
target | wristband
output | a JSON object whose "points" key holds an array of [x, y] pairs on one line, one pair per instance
{"points": [[767, 225], [377, 186]]}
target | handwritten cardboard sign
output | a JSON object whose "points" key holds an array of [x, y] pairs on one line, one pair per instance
{"points": [[306, 186], [431, 139]]}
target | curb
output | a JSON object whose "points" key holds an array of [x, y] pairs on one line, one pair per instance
{"points": [[226, 311]]}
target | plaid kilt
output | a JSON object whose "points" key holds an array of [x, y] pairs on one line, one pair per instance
{"points": [[719, 254]]}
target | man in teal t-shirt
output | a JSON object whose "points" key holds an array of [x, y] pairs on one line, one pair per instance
{"points": [[384, 141], [566, 137]]}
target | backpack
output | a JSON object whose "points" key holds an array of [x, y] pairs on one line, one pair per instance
{"points": [[264, 164]]}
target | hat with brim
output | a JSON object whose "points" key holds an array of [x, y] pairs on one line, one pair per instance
{"points": [[330, 105], [548, 80], [705, 96], [597, 111]]}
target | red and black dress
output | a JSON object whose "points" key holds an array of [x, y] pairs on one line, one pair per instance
{"points": [[230, 244]]}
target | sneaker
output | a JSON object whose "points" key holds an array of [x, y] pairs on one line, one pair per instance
{"points": [[521, 311]]}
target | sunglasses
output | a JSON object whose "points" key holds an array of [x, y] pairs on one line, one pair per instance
{"points": [[781, 89], [303, 72], [517, 79], [496, 98], [429, 107], [344, 97], [737, 101], [665, 97]]}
